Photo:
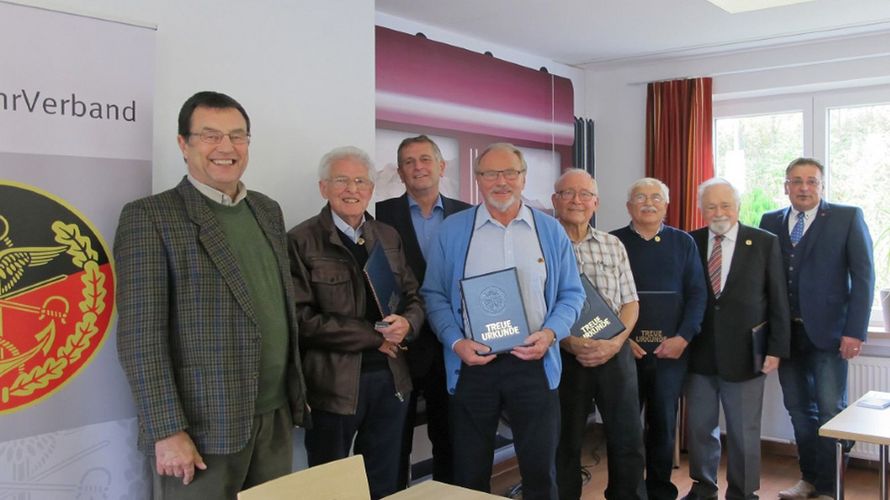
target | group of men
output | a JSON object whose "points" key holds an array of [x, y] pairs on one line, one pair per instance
{"points": [[233, 330]]}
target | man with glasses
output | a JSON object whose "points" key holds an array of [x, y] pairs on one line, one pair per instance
{"points": [[356, 371], [208, 331], [827, 256], [500, 233], [746, 293], [598, 370], [663, 259], [417, 215]]}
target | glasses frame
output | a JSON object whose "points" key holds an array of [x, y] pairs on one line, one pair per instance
{"points": [[215, 137], [510, 174]]}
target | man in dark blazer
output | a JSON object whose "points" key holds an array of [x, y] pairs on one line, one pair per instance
{"points": [[208, 330], [827, 257], [416, 215], [746, 289]]}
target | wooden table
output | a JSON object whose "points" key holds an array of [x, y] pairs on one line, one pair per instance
{"points": [[857, 423]]}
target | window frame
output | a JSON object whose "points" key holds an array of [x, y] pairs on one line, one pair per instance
{"points": [[815, 107]]}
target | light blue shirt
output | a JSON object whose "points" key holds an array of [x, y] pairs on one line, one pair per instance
{"points": [[495, 247], [354, 234], [426, 228]]}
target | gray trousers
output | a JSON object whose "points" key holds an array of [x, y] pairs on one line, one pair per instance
{"points": [[742, 408], [267, 455]]}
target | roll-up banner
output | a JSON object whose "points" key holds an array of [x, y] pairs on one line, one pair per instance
{"points": [[75, 146]]}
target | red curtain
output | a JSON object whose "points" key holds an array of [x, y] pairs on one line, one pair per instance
{"points": [[679, 148]]}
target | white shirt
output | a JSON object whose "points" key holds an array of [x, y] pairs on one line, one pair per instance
{"points": [[218, 196], [809, 217], [727, 247]]}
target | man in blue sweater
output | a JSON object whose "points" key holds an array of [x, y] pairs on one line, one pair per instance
{"points": [[663, 259], [500, 233]]}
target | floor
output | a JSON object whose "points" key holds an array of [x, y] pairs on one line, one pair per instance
{"points": [[778, 471]]}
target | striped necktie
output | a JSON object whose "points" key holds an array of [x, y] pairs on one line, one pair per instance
{"points": [[715, 264], [797, 230]]}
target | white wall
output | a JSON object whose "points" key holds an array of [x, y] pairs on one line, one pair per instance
{"points": [[303, 69], [616, 96]]}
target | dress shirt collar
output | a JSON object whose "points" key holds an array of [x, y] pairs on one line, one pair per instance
{"points": [[729, 236], [412, 203], [483, 216], [354, 234], [218, 196]]}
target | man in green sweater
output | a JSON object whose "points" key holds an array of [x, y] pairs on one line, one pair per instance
{"points": [[208, 330]]}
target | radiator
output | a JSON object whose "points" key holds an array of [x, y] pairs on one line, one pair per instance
{"points": [[867, 374]]}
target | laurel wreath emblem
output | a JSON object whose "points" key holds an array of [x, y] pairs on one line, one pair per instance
{"points": [[93, 304]]}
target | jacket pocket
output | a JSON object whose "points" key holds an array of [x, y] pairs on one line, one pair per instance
{"points": [[332, 286]]}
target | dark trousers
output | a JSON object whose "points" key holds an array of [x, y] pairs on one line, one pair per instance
{"points": [[814, 387], [660, 384], [267, 455], [520, 389], [434, 389], [376, 427], [614, 387]]}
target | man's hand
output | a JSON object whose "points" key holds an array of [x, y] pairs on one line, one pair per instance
{"points": [[467, 350], [390, 349], [850, 347], [671, 347], [397, 330], [770, 363], [535, 345], [177, 456], [597, 352], [638, 352]]}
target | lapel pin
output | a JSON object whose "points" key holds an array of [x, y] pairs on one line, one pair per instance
{"points": [[360, 241], [748, 242], [657, 238]]}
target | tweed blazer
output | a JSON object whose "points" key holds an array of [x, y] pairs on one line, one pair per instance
{"points": [[188, 338]]}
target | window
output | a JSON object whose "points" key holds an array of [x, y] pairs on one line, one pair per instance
{"points": [[848, 130]]}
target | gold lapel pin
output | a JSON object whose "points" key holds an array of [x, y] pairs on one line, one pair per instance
{"points": [[657, 238], [748, 242]]}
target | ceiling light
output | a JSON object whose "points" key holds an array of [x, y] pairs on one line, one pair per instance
{"points": [[736, 6]]}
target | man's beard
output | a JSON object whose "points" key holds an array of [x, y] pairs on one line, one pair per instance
{"points": [[720, 226]]}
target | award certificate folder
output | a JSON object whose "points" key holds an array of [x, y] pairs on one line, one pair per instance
{"points": [[387, 293], [758, 345], [659, 316], [597, 320], [494, 310]]}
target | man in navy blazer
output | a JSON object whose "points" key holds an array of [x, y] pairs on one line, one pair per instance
{"points": [[827, 256], [416, 215]]}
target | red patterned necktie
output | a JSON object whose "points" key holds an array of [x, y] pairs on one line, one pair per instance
{"points": [[715, 264]]}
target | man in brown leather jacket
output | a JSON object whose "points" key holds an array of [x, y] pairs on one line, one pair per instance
{"points": [[355, 368]]}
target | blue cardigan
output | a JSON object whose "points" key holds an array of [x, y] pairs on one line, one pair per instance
{"points": [[446, 262]]}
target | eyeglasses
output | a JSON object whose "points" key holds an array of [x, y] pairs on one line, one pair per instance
{"points": [[510, 174], [813, 183], [569, 195], [361, 183], [641, 198], [215, 137]]}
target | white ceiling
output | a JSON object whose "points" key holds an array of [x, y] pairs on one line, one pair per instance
{"points": [[579, 32]]}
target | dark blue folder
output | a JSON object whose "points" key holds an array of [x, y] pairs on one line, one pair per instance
{"points": [[387, 293], [597, 320], [494, 310], [660, 313]]}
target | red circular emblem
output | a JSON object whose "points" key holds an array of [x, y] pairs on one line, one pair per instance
{"points": [[56, 294]]}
